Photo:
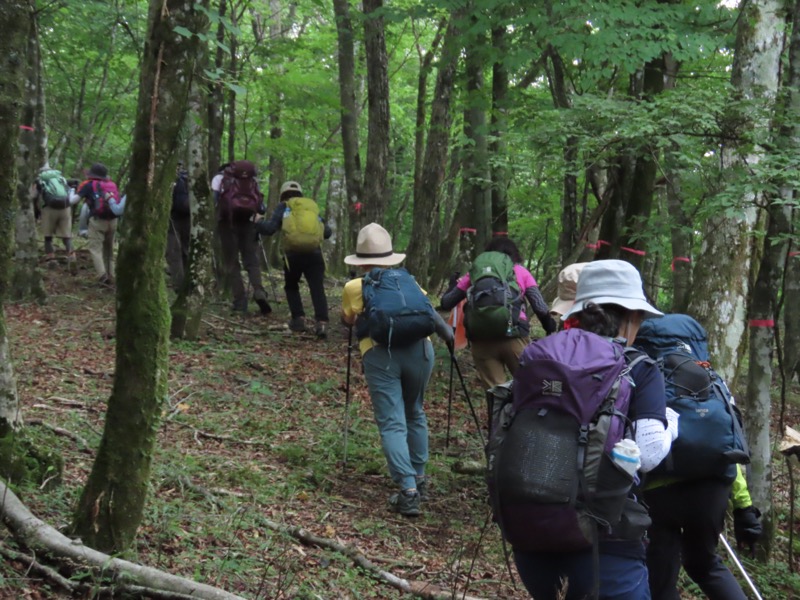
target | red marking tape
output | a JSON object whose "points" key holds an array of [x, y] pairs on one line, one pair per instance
{"points": [[762, 323], [685, 259]]}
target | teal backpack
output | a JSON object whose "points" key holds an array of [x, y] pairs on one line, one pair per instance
{"points": [[494, 300]]}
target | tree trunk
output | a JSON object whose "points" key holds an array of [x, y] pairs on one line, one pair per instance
{"points": [[111, 505], [26, 278], [216, 100], [376, 192], [764, 307], [426, 205], [189, 306], [791, 311], [349, 111], [722, 269], [14, 23], [475, 154], [497, 145]]}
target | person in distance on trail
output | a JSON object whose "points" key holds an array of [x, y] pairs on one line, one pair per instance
{"points": [[53, 199], [238, 200], [565, 298], [102, 197], [302, 231], [180, 228], [494, 352], [397, 373], [610, 302]]}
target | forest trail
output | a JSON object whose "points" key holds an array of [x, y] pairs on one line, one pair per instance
{"points": [[252, 429]]}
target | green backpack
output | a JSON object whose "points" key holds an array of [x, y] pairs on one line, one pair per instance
{"points": [[494, 300], [301, 229], [54, 189]]}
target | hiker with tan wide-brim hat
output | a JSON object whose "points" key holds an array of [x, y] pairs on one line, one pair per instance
{"points": [[392, 319]]}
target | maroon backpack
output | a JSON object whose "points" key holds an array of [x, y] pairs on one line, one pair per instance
{"points": [[239, 197]]}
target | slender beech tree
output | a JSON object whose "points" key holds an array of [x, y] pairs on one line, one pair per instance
{"points": [[26, 279], [376, 192], [499, 122], [722, 271], [110, 508], [426, 204], [349, 110], [14, 22]]}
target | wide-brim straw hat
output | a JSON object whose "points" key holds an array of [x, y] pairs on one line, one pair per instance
{"points": [[567, 287], [374, 247], [611, 282]]}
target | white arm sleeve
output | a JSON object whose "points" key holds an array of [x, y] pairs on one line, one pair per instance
{"points": [[654, 442]]}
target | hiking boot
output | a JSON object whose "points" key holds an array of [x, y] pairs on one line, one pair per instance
{"points": [[50, 256], [322, 330], [260, 297], [297, 324], [406, 503], [422, 488]]}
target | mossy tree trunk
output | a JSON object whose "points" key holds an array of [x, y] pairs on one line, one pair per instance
{"points": [[111, 505], [13, 47], [26, 280], [721, 273]]}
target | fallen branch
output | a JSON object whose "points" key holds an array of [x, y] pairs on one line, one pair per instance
{"points": [[42, 538], [62, 432], [221, 438]]}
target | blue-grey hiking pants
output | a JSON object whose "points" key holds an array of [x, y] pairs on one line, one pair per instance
{"points": [[397, 379]]}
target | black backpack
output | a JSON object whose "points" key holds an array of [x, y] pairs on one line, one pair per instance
{"points": [[180, 196]]}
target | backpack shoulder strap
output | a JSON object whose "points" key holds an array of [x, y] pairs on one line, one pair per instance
{"points": [[634, 356]]}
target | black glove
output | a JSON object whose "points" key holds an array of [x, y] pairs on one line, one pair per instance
{"points": [[549, 325], [747, 526]]}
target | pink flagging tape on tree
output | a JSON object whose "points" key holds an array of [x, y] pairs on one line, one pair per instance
{"points": [[634, 251], [598, 244], [795, 253], [358, 207], [464, 230], [505, 233], [27, 128], [685, 259], [761, 323]]}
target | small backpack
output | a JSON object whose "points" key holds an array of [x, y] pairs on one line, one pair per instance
{"points": [[105, 197], [180, 196], [553, 484], [710, 438], [301, 229], [494, 300], [239, 197], [54, 189], [396, 311]]}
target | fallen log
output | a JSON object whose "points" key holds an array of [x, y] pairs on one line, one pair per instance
{"points": [[44, 539]]}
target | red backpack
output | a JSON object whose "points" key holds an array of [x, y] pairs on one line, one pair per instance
{"points": [[239, 197]]}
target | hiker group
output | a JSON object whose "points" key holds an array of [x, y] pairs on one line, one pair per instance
{"points": [[614, 448], [239, 210]]}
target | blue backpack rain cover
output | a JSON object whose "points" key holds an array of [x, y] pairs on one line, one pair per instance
{"points": [[710, 439], [396, 311]]}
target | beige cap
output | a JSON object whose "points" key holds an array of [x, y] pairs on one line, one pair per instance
{"points": [[291, 186], [567, 286]]}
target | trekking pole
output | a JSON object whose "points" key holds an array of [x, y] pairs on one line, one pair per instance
{"points": [[466, 395], [266, 262], [449, 408], [736, 561], [347, 395]]}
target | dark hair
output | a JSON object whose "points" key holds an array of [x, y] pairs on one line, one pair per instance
{"points": [[506, 246], [98, 170], [223, 166], [289, 194], [605, 319]]}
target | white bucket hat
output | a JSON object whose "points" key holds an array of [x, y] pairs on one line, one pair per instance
{"points": [[567, 286], [611, 282], [374, 247]]}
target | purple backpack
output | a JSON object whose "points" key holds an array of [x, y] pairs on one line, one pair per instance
{"points": [[553, 484], [104, 194]]}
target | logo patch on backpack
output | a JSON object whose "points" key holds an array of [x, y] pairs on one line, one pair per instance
{"points": [[396, 311], [553, 484]]}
